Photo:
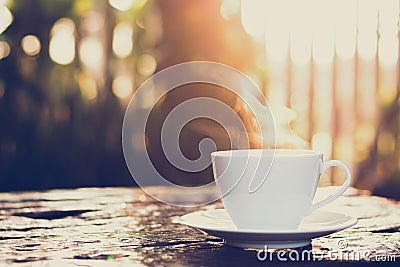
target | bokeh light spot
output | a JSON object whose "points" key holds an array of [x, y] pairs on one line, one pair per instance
{"points": [[88, 87], [121, 5], [122, 86], [4, 49], [122, 40], [147, 65], [6, 18], [62, 42], [91, 52], [31, 45]]}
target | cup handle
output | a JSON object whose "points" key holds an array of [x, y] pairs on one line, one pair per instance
{"points": [[324, 166]]}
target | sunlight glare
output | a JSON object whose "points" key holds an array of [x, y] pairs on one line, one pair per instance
{"points": [[277, 30], [388, 17], [388, 51], [345, 12], [301, 31], [324, 32], [322, 142], [229, 8], [388, 30], [300, 48], [367, 28], [253, 16], [366, 46]]}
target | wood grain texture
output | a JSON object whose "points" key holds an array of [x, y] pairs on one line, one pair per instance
{"points": [[124, 226]]}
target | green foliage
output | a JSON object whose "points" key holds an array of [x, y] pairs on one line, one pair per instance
{"points": [[50, 135]]}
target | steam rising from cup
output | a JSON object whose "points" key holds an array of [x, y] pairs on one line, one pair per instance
{"points": [[248, 120]]}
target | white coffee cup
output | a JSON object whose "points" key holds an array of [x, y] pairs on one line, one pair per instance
{"points": [[271, 189]]}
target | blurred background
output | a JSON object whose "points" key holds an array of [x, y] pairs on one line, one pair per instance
{"points": [[68, 68]]}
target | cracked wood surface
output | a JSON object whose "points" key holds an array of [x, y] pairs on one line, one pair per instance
{"points": [[124, 226]]}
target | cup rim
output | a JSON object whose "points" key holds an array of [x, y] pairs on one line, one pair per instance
{"points": [[267, 152]]}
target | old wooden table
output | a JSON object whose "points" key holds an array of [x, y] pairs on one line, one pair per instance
{"points": [[124, 226]]}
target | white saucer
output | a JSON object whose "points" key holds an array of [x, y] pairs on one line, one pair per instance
{"points": [[218, 223]]}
